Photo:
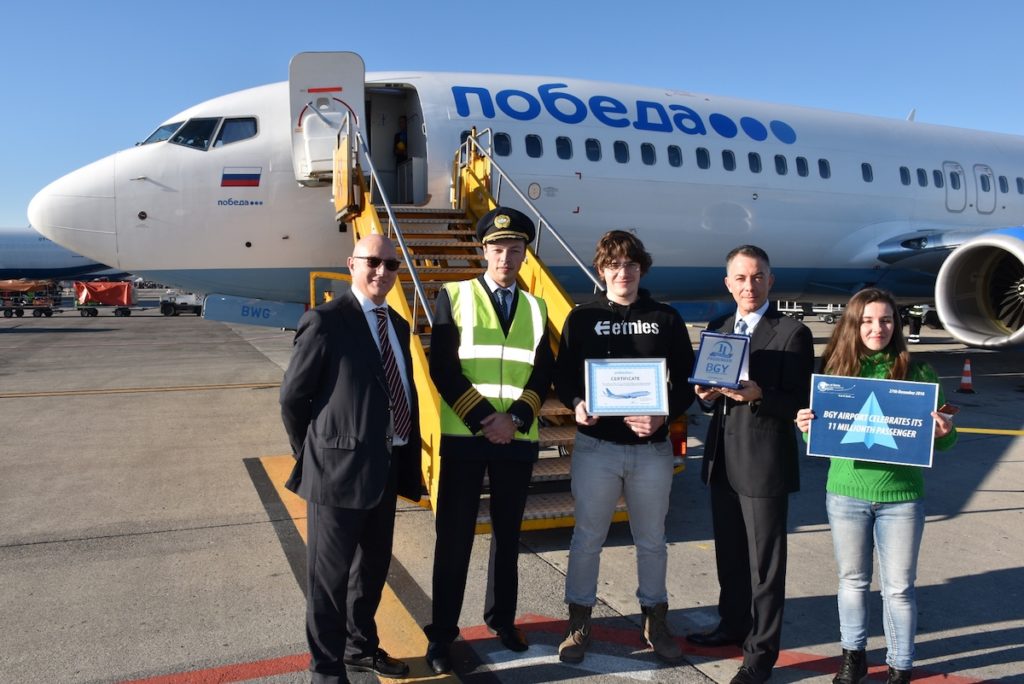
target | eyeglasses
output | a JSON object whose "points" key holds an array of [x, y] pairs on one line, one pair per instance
{"points": [[375, 262], [627, 266]]}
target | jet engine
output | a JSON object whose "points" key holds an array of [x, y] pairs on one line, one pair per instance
{"points": [[980, 290]]}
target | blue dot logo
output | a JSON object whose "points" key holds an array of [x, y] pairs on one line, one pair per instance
{"points": [[723, 125], [783, 131], [754, 128]]}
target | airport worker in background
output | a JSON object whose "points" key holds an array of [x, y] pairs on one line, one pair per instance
{"points": [[876, 505], [491, 360], [350, 410], [750, 465], [401, 146], [621, 456]]}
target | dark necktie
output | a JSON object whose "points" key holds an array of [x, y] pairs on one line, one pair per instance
{"points": [[503, 299], [399, 404]]}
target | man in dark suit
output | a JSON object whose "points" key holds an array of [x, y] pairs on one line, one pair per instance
{"points": [[350, 410], [750, 464]]}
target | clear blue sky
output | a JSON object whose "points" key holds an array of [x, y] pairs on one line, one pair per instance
{"points": [[80, 80]]}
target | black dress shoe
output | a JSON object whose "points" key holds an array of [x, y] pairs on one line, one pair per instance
{"points": [[381, 663], [750, 675], [439, 657], [513, 639], [715, 638]]}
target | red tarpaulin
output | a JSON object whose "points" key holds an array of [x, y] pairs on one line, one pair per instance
{"points": [[108, 294], [25, 285]]}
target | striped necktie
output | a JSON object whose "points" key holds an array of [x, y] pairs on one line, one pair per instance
{"points": [[399, 403], [741, 326], [504, 296]]}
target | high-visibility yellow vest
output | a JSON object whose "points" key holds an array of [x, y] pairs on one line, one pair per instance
{"points": [[497, 366]]}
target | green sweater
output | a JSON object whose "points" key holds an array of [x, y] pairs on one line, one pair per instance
{"points": [[883, 482]]}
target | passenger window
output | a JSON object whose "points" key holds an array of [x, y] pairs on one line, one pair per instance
{"points": [[802, 168], [534, 148], [234, 130], [675, 157], [904, 175], [647, 155], [1020, 185], [922, 178], [781, 167], [728, 160], [621, 152], [502, 144], [754, 159], [563, 147], [824, 168], [162, 133], [937, 178], [196, 133], [954, 180], [1004, 185], [593, 149], [866, 172], [703, 158], [986, 184]]}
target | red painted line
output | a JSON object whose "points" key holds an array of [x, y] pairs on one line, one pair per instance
{"points": [[238, 672], [332, 89], [788, 660]]}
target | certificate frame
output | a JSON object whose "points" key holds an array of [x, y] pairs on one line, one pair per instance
{"points": [[870, 419], [626, 387], [719, 359]]}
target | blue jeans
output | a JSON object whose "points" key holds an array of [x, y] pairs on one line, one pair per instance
{"points": [[601, 473], [895, 529]]}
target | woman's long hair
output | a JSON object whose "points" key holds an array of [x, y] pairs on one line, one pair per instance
{"points": [[843, 354]]}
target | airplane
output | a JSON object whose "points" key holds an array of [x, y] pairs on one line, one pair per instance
{"points": [[223, 197], [24, 253], [625, 395]]}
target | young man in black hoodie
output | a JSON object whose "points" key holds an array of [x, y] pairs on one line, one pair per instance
{"points": [[616, 456]]}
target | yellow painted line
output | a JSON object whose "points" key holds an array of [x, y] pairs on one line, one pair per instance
{"points": [[139, 390], [399, 634], [991, 431]]}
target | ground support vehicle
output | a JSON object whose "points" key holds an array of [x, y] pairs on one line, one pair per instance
{"points": [[90, 297], [41, 297], [174, 303]]}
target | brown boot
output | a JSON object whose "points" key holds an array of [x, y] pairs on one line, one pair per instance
{"points": [[577, 636], [657, 634]]}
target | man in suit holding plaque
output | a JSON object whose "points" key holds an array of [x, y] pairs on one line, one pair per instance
{"points": [[750, 464]]}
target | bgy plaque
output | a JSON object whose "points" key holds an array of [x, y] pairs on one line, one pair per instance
{"points": [[719, 360]]}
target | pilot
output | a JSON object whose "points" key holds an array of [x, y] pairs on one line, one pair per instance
{"points": [[491, 361], [621, 456]]}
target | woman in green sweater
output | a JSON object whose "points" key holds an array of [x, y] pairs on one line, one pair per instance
{"points": [[876, 505]]}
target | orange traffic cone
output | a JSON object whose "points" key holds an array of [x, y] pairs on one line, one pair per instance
{"points": [[965, 379]]}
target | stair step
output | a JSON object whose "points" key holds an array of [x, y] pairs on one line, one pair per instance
{"points": [[557, 435], [442, 273], [553, 407], [549, 510], [447, 257], [431, 242], [409, 232]]}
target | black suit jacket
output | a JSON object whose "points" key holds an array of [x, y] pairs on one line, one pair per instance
{"points": [[758, 442], [335, 407]]}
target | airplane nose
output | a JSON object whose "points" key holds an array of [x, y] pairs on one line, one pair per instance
{"points": [[77, 211]]}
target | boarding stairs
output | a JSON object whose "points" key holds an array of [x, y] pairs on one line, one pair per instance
{"points": [[437, 246]]}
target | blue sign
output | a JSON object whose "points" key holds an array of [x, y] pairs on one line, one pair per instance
{"points": [[885, 421]]}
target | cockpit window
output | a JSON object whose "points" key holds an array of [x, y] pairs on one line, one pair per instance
{"points": [[234, 130], [196, 133], [162, 133]]}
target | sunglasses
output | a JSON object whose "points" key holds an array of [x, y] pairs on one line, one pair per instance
{"points": [[375, 262]]}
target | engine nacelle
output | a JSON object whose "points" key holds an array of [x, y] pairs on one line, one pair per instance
{"points": [[980, 290]]}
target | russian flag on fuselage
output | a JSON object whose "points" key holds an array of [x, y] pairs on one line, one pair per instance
{"points": [[241, 177]]}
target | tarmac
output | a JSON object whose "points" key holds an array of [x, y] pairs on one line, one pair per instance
{"points": [[145, 536]]}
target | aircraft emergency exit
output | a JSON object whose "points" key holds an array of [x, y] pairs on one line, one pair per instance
{"points": [[229, 196]]}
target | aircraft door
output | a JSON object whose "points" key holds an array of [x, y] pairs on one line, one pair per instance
{"points": [[323, 87], [956, 186], [985, 186]]}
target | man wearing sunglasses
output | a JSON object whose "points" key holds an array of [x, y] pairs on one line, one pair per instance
{"points": [[491, 362], [350, 410]]}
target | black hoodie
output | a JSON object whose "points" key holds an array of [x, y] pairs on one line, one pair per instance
{"points": [[606, 330]]}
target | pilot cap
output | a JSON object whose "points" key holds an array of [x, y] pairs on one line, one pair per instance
{"points": [[505, 224]]}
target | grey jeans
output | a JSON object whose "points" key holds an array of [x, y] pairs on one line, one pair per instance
{"points": [[601, 473]]}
